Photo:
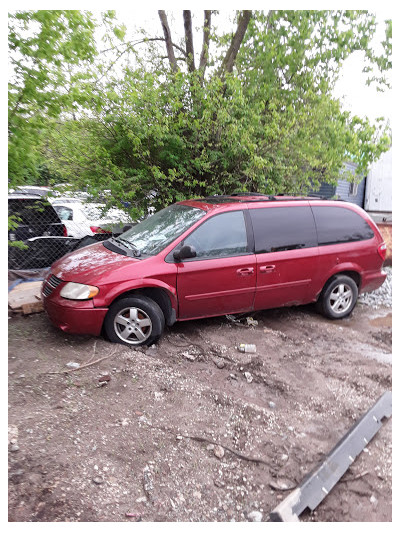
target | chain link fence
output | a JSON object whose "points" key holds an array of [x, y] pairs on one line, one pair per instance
{"points": [[41, 232]]}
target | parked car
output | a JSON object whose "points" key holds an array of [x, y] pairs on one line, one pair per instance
{"points": [[31, 189], [34, 216], [36, 224], [83, 219], [215, 256]]}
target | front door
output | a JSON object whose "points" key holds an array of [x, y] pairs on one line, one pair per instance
{"points": [[221, 279]]}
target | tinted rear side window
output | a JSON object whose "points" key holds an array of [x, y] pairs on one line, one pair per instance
{"points": [[283, 228], [337, 225], [32, 212]]}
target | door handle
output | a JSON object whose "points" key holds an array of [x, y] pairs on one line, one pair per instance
{"points": [[245, 271], [267, 269]]}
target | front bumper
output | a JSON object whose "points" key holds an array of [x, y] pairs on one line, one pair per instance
{"points": [[76, 319], [72, 316]]}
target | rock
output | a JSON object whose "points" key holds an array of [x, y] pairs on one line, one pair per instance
{"points": [[12, 434], [148, 485], [16, 473], [219, 451], [248, 376], [280, 484], [189, 356], [272, 405], [14, 448], [98, 480], [219, 363], [71, 364], [255, 516]]}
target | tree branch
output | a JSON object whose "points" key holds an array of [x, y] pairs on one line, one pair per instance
{"points": [[168, 40], [187, 21], [206, 41], [229, 59]]}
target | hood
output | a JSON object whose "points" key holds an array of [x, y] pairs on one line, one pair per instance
{"points": [[87, 264]]}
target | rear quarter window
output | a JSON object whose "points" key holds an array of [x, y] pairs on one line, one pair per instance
{"points": [[339, 225], [277, 229]]}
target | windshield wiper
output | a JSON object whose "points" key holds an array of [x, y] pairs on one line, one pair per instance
{"points": [[128, 244]]}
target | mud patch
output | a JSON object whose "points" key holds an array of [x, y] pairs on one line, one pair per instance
{"points": [[382, 322]]}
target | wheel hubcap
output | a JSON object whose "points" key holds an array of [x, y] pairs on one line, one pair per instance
{"points": [[341, 298], [133, 325]]}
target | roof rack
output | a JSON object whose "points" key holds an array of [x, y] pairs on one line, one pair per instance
{"points": [[247, 194], [258, 197]]}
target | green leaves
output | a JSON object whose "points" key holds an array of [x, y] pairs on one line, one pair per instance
{"points": [[153, 136], [45, 48]]}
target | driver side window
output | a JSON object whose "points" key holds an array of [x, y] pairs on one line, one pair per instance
{"points": [[221, 236]]}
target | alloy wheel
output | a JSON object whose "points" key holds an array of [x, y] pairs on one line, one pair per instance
{"points": [[133, 325], [341, 298]]}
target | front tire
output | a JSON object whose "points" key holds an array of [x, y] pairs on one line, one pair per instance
{"points": [[338, 298], [134, 321]]}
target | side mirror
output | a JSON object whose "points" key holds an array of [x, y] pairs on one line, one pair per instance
{"points": [[186, 252]]}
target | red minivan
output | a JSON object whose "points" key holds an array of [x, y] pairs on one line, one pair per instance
{"points": [[215, 256]]}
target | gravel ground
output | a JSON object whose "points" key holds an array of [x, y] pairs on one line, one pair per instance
{"points": [[381, 297], [192, 430]]}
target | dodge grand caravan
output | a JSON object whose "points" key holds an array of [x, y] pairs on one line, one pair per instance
{"points": [[215, 256]]}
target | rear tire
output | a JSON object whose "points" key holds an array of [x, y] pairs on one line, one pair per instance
{"points": [[338, 298], [134, 321]]}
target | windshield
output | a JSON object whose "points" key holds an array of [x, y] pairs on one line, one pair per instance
{"points": [[156, 232]]}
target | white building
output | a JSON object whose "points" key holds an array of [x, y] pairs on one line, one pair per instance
{"points": [[378, 189]]}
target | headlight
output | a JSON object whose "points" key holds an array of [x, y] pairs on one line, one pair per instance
{"points": [[78, 291]]}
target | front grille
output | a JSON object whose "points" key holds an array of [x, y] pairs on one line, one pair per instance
{"points": [[52, 283]]}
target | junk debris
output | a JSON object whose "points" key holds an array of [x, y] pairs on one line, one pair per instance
{"points": [[247, 348], [316, 485]]}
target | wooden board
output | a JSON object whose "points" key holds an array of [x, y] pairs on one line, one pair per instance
{"points": [[25, 298]]}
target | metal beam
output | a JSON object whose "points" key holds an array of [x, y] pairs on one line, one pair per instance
{"points": [[318, 483]]}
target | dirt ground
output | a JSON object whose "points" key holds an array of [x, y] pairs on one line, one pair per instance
{"points": [[192, 429]]}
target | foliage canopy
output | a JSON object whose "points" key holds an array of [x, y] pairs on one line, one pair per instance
{"points": [[251, 111]]}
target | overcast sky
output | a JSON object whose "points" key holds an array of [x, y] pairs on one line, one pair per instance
{"points": [[351, 88]]}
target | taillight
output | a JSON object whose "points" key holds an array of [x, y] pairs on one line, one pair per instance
{"points": [[65, 232], [97, 229], [382, 251]]}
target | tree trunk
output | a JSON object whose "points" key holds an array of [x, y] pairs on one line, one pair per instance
{"points": [[168, 40], [229, 60], [206, 42], [187, 19]]}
